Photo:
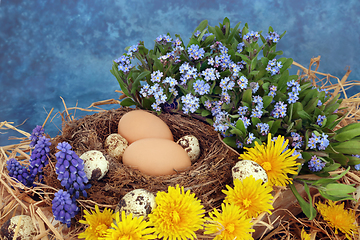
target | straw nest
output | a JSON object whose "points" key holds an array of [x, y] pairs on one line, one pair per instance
{"points": [[206, 178]]}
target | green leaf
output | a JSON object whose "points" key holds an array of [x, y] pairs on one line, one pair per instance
{"points": [[123, 86], [255, 121], [335, 198], [353, 160], [266, 101], [304, 115], [205, 113], [240, 125], [286, 64], [310, 107], [348, 134], [218, 33], [306, 207], [127, 102], [233, 32], [275, 127], [338, 189], [247, 96], [231, 141], [348, 147], [201, 26], [332, 167]]}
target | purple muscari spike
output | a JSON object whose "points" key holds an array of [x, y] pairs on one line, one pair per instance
{"points": [[64, 208], [72, 169], [37, 132], [39, 156]]}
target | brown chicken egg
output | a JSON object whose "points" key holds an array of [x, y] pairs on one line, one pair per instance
{"points": [[156, 156], [139, 124]]}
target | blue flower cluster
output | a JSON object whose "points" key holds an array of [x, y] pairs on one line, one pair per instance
{"points": [[251, 36], [254, 87], [273, 67], [294, 93], [37, 132], [195, 52], [201, 87], [63, 207], [20, 172], [357, 166], [124, 63], [70, 170], [163, 39], [187, 72], [272, 90], [321, 142], [157, 91], [174, 54], [221, 118], [315, 164], [272, 37], [257, 110], [240, 47], [242, 82], [320, 120], [190, 103], [39, 157], [279, 110], [132, 49], [250, 139], [297, 141], [263, 128]]}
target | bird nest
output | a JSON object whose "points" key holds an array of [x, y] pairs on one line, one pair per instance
{"points": [[206, 177]]}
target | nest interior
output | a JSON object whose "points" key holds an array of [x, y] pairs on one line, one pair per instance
{"points": [[207, 177]]}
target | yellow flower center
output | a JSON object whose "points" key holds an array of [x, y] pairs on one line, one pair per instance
{"points": [[101, 229], [266, 166], [246, 203], [230, 228], [174, 215]]}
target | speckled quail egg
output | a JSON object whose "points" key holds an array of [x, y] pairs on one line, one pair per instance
{"points": [[115, 145], [95, 164], [139, 202], [246, 168], [191, 145], [26, 229]]}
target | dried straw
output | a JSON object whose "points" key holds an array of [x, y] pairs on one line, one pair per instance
{"points": [[284, 223]]}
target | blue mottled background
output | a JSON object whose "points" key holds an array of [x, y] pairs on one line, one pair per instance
{"points": [[63, 48]]}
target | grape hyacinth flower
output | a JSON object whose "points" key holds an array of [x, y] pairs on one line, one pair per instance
{"points": [[18, 171], [315, 164], [37, 132], [63, 207], [70, 170], [39, 157]]}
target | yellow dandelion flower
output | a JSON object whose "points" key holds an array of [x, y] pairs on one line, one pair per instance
{"points": [[250, 195], [177, 214], [129, 227], [98, 223], [339, 218], [231, 223], [304, 235], [276, 162]]}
